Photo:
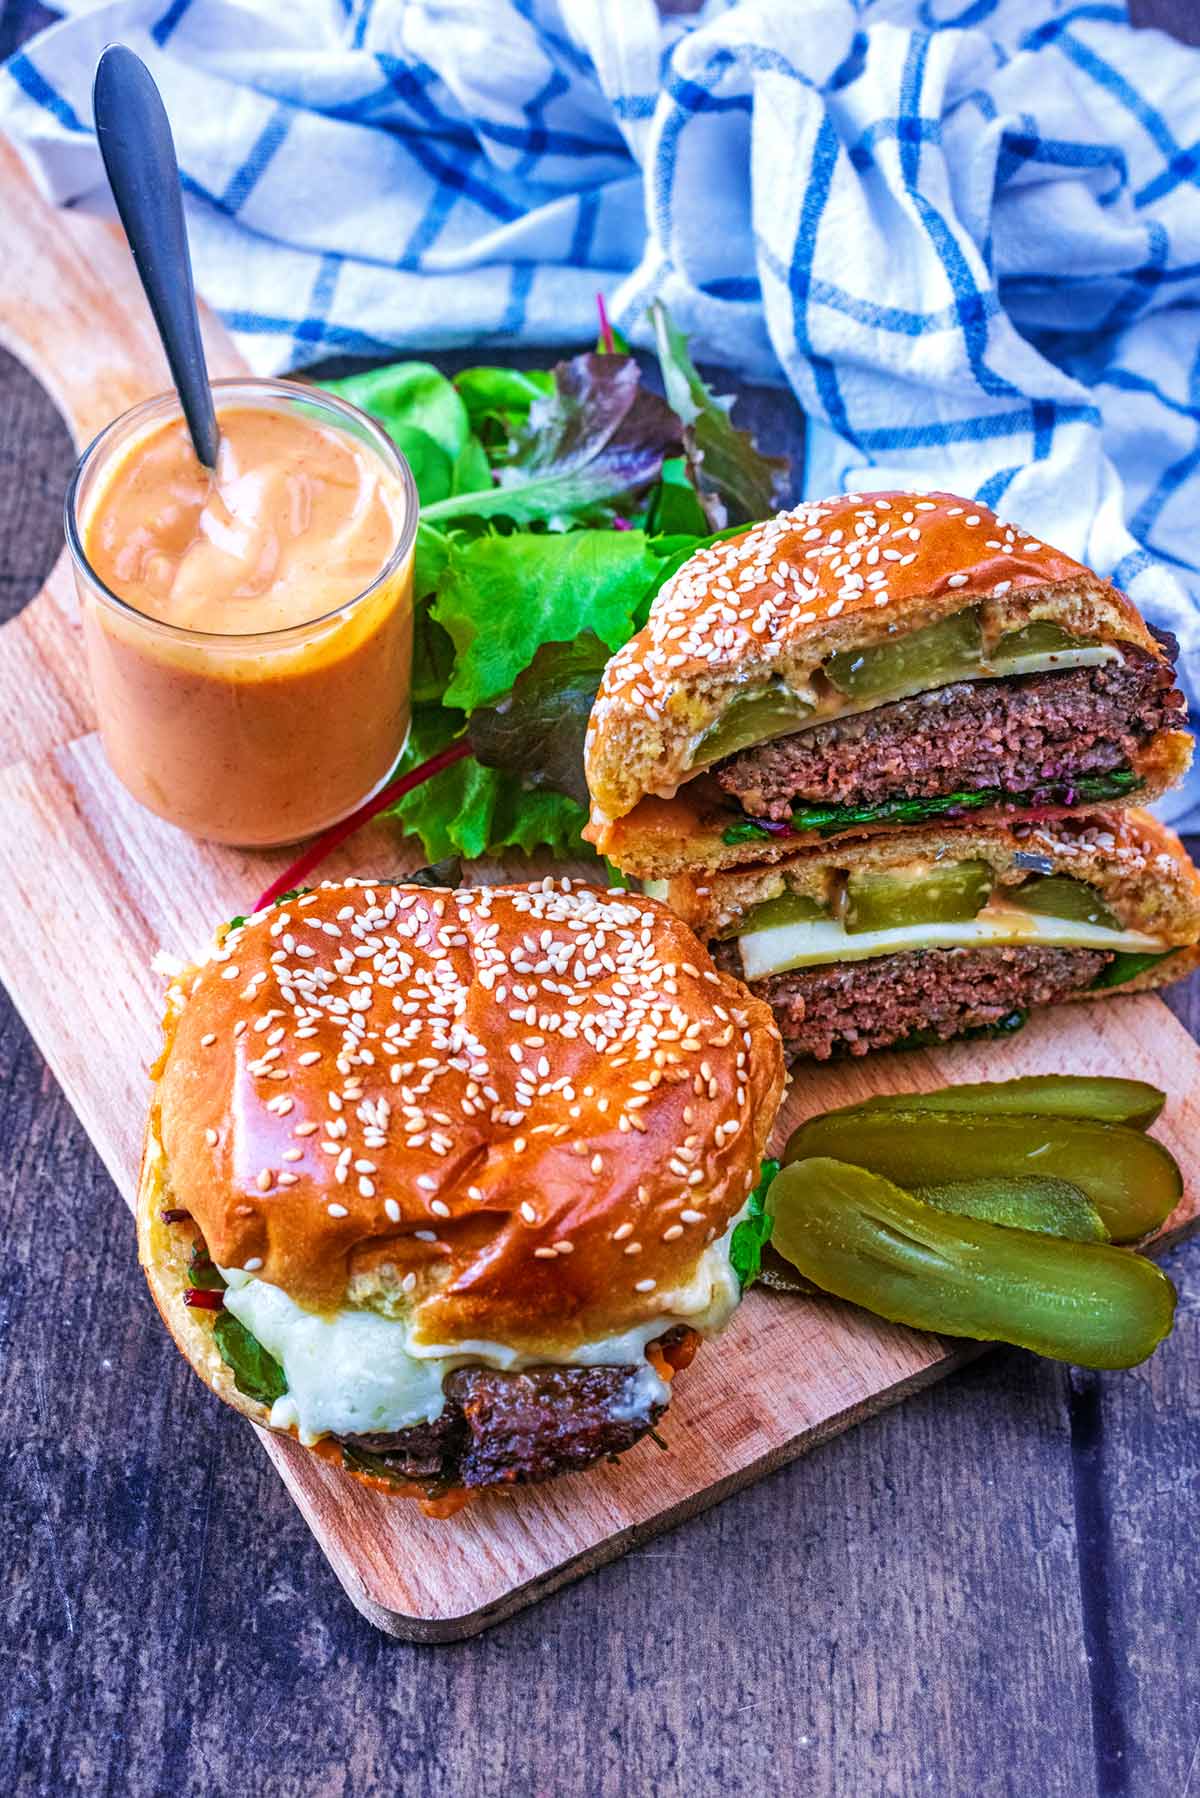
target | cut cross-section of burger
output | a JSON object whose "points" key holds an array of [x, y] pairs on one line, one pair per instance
{"points": [[923, 936], [444, 1182], [869, 663]]}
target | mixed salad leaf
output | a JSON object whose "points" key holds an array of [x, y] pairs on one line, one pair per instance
{"points": [[554, 505], [752, 1235]]}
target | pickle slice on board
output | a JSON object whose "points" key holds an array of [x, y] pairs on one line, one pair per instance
{"points": [[1131, 1179], [858, 1236], [888, 900], [1058, 896], [1103, 1098], [749, 719], [947, 651], [1021, 1202]]}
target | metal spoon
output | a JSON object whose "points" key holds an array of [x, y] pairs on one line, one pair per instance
{"points": [[139, 158]]}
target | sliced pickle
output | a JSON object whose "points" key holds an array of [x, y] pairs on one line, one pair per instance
{"points": [[788, 908], [947, 651], [1103, 1099], [1041, 638], [1021, 1202], [749, 719], [1058, 896], [860, 1237], [936, 894], [1131, 1179]]}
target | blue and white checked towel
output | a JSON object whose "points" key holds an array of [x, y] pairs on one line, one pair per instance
{"points": [[966, 232]]}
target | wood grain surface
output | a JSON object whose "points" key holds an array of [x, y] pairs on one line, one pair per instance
{"points": [[989, 1591]]}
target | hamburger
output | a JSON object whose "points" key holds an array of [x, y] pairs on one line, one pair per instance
{"points": [[867, 664], [918, 936], [443, 1183]]}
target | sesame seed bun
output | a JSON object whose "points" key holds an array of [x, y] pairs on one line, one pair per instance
{"points": [[1140, 868], [464, 1103], [821, 580]]}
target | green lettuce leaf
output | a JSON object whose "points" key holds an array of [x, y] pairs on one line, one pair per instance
{"points": [[203, 1271], [255, 1373], [497, 401], [737, 482], [752, 1235], [412, 396], [500, 598]]}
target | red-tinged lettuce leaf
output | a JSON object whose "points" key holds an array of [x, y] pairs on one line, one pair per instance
{"points": [[736, 483], [470, 810], [537, 730], [600, 435], [500, 598]]}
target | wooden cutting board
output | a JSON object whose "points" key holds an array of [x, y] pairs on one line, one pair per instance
{"points": [[91, 886]]}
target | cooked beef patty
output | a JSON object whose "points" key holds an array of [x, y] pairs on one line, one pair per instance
{"points": [[1019, 734], [852, 1007], [503, 1429]]}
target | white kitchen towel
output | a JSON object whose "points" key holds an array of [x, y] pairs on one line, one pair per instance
{"points": [[966, 232]]}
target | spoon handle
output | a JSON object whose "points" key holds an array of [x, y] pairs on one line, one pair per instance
{"points": [[139, 157]]}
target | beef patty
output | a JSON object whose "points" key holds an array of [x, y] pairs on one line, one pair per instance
{"points": [[852, 1007], [502, 1429], [1016, 734]]}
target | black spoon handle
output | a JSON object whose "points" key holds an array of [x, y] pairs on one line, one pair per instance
{"points": [[139, 157]]}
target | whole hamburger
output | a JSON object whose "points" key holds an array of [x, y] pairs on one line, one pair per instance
{"points": [[865, 664], [444, 1182]]}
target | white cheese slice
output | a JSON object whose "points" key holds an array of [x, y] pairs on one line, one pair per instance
{"points": [[804, 945], [356, 1372]]}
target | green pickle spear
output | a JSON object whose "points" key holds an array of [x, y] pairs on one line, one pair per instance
{"points": [[892, 899], [752, 718], [951, 649], [1131, 1179], [1058, 896], [858, 1236], [1021, 1202], [1102, 1098]]}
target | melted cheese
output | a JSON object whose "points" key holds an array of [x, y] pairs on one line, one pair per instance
{"points": [[360, 1373], [805, 945]]}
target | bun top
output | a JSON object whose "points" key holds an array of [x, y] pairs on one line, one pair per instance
{"points": [[822, 579], [521, 1113]]}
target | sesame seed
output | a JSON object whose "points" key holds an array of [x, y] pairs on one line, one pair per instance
{"points": [[645, 1286], [527, 1212], [392, 1209], [308, 1058], [266, 1180], [252, 1266], [207, 1041], [439, 1207], [337, 1211], [211, 1137]]}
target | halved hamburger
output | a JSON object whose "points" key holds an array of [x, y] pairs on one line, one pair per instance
{"points": [[869, 663], [444, 1182], [923, 935]]}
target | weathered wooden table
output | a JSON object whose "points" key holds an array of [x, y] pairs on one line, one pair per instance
{"points": [[992, 1589]]}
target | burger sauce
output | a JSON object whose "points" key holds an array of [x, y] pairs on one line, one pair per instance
{"points": [[254, 685]]}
